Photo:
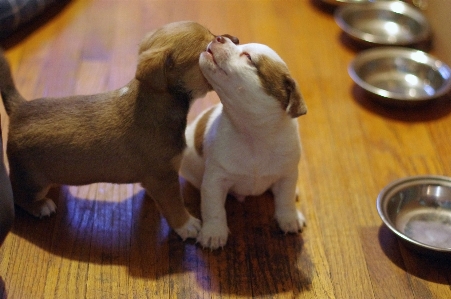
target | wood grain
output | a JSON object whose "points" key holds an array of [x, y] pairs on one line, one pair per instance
{"points": [[109, 241]]}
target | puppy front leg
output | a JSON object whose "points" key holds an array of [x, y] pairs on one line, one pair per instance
{"points": [[290, 219], [214, 232], [167, 195]]}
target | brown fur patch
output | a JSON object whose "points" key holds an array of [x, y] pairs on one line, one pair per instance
{"points": [[272, 74], [277, 82], [200, 131]]}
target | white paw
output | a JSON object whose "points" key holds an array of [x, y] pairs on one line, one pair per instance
{"points": [[48, 207], [292, 222], [41, 208], [190, 229], [213, 235]]}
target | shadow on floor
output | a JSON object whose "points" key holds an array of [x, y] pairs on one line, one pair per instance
{"points": [[257, 260]]}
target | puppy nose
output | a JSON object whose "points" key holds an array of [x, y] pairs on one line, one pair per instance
{"points": [[234, 39], [220, 39]]}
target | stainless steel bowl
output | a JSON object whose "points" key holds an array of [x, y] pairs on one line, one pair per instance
{"points": [[384, 23], [400, 74], [342, 2], [418, 210]]}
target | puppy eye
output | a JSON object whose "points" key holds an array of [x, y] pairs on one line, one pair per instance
{"points": [[248, 56]]}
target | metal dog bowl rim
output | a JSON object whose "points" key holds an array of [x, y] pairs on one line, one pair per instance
{"points": [[357, 34], [400, 184], [347, 2], [387, 52]]}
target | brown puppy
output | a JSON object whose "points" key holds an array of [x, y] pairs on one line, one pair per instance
{"points": [[133, 134]]}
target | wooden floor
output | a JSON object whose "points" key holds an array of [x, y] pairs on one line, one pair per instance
{"points": [[109, 241]]}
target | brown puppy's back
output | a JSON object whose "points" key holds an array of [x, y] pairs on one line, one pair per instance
{"points": [[95, 138]]}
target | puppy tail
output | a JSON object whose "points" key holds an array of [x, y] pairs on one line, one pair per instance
{"points": [[10, 96]]}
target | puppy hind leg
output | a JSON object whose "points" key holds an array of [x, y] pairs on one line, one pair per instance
{"points": [[35, 203], [167, 194], [31, 197]]}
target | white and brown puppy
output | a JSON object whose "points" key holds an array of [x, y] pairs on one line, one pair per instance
{"points": [[132, 134], [249, 143]]}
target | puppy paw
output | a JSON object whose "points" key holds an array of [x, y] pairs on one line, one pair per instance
{"points": [[40, 208], [292, 222], [190, 229], [213, 236], [47, 208]]}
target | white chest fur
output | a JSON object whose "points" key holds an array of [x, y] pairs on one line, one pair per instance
{"points": [[250, 162]]}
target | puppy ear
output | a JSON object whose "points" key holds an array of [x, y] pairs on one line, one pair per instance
{"points": [[152, 67], [296, 105]]}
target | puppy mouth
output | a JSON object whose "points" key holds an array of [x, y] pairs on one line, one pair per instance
{"points": [[209, 51], [212, 55]]}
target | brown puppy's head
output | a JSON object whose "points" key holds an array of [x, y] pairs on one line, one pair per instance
{"points": [[169, 58]]}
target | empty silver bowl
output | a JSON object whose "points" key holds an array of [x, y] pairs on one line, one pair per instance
{"points": [[384, 23], [418, 210], [400, 74], [342, 2]]}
